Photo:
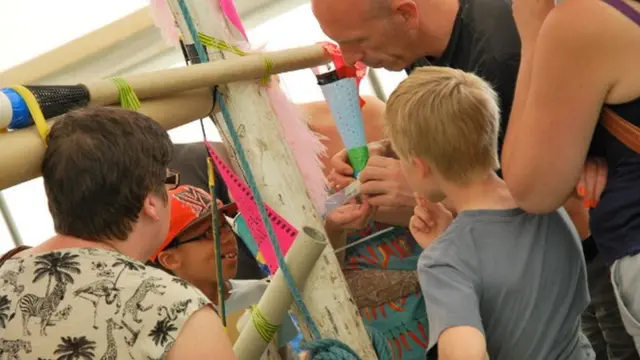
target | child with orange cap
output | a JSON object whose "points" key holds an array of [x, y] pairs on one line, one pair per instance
{"points": [[189, 254]]}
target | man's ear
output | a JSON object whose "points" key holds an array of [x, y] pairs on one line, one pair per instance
{"points": [[408, 10], [170, 260], [152, 205]]}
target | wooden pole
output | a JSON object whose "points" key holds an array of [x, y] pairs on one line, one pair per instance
{"points": [[282, 187], [23, 150]]}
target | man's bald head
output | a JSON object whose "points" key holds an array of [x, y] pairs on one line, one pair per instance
{"points": [[363, 7], [387, 33], [380, 33]]}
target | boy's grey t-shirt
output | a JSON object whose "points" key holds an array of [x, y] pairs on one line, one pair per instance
{"points": [[518, 278]]}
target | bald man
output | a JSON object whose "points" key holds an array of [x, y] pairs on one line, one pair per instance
{"points": [[405, 34], [477, 36]]}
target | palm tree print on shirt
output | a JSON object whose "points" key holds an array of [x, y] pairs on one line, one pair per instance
{"points": [[161, 332], [126, 265], [58, 265], [75, 348], [54, 265]]}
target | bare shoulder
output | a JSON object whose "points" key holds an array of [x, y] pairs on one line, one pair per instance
{"points": [[577, 19], [202, 336], [586, 20], [598, 36]]}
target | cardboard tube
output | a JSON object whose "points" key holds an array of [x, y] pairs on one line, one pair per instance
{"points": [[251, 67], [277, 299], [23, 150]]}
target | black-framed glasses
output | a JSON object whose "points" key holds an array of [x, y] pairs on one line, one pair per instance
{"points": [[172, 179], [207, 235], [229, 210]]}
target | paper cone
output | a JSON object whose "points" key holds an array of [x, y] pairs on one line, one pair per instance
{"points": [[343, 100]]}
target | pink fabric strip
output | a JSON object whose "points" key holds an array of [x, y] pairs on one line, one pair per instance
{"points": [[229, 10], [241, 194]]}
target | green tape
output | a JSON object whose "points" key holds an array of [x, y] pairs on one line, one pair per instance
{"points": [[358, 157]]}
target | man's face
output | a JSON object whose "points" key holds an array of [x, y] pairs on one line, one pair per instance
{"points": [[379, 37]]}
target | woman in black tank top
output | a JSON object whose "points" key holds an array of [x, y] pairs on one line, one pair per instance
{"points": [[578, 58]]}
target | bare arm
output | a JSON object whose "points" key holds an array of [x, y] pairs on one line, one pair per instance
{"points": [[561, 88], [202, 338], [462, 343]]}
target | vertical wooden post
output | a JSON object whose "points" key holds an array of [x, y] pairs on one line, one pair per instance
{"points": [[281, 186]]}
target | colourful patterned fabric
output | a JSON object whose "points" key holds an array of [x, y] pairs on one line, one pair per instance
{"points": [[383, 268], [403, 319]]}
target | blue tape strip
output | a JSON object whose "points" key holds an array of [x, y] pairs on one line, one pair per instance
{"points": [[21, 116]]}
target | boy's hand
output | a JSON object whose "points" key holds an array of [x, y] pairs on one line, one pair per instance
{"points": [[351, 216], [429, 220]]}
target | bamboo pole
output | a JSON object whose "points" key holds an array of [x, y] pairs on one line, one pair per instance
{"points": [[301, 258], [23, 150], [282, 187], [166, 82]]}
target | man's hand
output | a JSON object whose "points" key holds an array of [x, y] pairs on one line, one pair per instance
{"points": [[429, 220], [351, 216], [385, 187], [342, 173]]}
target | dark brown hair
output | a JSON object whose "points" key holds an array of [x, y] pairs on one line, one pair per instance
{"points": [[100, 165]]}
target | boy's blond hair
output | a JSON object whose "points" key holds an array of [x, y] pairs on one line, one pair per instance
{"points": [[447, 117]]}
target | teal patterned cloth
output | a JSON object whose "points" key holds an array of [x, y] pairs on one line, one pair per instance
{"points": [[402, 320]]}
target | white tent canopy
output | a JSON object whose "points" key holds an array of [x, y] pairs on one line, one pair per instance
{"points": [[70, 41]]}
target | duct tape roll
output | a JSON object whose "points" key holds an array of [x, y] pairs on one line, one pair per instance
{"points": [[14, 113], [6, 111]]}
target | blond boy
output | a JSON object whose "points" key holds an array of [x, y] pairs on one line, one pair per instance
{"points": [[497, 282]]}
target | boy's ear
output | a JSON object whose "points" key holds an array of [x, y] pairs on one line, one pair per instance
{"points": [[169, 260], [422, 167]]}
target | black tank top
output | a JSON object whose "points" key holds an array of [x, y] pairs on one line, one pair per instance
{"points": [[615, 222]]}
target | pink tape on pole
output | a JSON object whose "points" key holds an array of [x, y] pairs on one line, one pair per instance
{"points": [[285, 232], [229, 10]]}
